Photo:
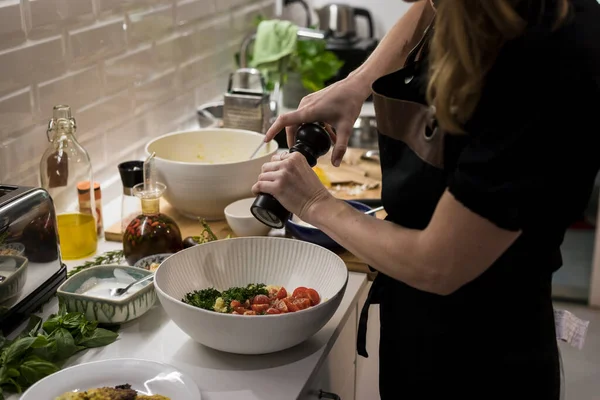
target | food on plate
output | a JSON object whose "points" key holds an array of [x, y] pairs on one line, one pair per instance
{"points": [[7, 251], [254, 299], [121, 392]]}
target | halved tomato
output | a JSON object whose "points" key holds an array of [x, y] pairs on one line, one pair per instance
{"points": [[259, 308], [240, 310], [302, 303], [235, 304], [250, 312], [281, 306], [273, 311], [298, 291], [313, 296], [282, 293], [260, 299], [290, 304]]}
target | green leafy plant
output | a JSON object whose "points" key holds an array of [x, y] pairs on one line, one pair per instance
{"points": [[315, 64], [110, 257], [43, 347], [311, 59]]}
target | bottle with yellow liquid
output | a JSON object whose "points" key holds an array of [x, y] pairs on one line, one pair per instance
{"points": [[65, 165]]}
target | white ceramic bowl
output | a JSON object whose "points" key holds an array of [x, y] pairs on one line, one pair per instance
{"points": [[242, 222], [207, 169], [237, 262]]}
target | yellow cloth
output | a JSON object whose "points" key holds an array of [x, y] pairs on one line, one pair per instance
{"points": [[275, 40]]}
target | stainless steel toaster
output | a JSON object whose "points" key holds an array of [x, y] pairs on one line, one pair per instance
{"points": [[31, 268]]}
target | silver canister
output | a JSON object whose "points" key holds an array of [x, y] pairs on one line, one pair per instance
{"points": [[246, 104]]}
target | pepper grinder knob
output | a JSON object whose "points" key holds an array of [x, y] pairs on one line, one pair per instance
{"points": [[312, 141]]}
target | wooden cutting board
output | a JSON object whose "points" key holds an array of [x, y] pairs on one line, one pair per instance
{"points": [[346, 176]]}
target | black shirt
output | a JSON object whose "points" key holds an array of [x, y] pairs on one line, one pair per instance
{"points": [[534, 143]]}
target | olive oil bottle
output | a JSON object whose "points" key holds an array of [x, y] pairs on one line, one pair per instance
{"points": [[64, 165]]}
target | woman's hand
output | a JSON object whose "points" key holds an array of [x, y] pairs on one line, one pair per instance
{"points": [[290, 179], [338, 105]]}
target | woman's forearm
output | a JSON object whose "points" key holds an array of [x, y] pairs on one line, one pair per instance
{"points": [[393, 49]]}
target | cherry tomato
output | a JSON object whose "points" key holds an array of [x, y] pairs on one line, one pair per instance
{"points": [[235, 304], [297, 292], [260, 299], [302, 303], [240, 310], [282, 293], [281, 305], [250, 312], [313, 296], [290, 305], [259, 308], [273, 311]]}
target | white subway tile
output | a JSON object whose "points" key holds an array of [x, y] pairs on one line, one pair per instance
{"points": [[50, 16], [11, 30], [97, 42], [4, 163], [96, 147], [25, 153], [122, 138], [150, 25], [128, 70], [76, 89], [32, 63], [198, 70], [190, 10], [161, 117], [15, 112], [107, 112], [155, 90], [127, 5], [170, 51]]}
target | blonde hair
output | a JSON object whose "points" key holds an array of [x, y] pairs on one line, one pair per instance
{"points": [[467, 37]]}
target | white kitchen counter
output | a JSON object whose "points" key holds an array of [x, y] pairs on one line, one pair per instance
{"points": [[221, 376]]}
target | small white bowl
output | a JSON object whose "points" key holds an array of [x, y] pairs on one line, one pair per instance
{"points": [[242, 222]]}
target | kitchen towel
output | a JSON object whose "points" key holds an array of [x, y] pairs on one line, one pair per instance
{"points": [[275, 40]]}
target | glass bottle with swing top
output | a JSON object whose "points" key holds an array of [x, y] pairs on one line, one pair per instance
{"points": [[65, 165]]}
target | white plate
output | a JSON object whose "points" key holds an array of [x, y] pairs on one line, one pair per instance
{"points": [[147, 377]]}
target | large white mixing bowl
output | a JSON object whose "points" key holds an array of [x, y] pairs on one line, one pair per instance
{"points": [[207, 169], [237, 262]]}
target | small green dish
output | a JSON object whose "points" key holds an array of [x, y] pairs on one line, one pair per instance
{"points": [[107, 310], [16, 268]]}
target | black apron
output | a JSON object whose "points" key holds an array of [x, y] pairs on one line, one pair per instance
{"points": [[492, 339]]}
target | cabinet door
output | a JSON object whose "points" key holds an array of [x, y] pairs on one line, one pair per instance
{"points": [[337, 375], [367, 369]]}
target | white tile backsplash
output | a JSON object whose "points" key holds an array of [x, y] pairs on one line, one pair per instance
{"points": [[130, 69]]}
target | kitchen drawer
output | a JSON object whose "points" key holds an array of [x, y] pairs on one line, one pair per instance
{"points": [[338, 373]]}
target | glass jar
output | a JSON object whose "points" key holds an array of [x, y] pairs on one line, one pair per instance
{"points": [[132, 173], [64, 165], [150, 232]]}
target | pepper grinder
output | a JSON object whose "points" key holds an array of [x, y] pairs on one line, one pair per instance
{"points": [[312, 141]]}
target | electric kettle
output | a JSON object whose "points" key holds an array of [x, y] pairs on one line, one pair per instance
{"points": [[339, 20]]}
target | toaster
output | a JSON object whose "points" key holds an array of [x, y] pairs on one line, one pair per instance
{"points": [[31, 268]]}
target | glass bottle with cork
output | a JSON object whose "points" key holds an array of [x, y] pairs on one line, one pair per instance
{"points": [[150, 232], [64, 165]]}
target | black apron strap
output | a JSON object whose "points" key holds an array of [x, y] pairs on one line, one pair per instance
{"points": [[373, 297]]}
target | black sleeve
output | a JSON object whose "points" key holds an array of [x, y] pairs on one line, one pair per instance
{"points": [[497, 173], [506, 159]]}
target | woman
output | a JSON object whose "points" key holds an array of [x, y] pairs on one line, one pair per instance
{"points": [[488, 153]]}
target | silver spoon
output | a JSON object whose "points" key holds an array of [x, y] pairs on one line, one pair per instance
{"points": [[121, 291], [257, 149], [374, 210]]}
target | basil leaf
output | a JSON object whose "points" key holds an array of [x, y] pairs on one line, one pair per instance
{"points": [[72, 321], [3, 341], [17, 349], [34, 368], [65, 344], [100, 337]]}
